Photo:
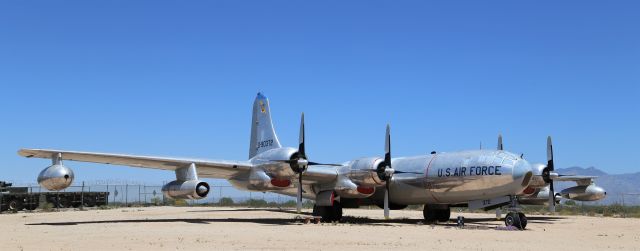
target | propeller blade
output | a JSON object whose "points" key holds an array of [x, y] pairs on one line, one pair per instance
{"points": [[550, 168], [388, 171], [394, 172], [386, 200], [299, 202], [500, 147], [550, 154], [301, 150], [311, 163], [552, 198], [387, 147]]}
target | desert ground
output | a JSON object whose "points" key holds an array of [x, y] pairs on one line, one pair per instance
{"points": [[218, 228]]}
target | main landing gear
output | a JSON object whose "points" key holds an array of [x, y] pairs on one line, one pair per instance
{"points": [[329, 213], [433, 213]]}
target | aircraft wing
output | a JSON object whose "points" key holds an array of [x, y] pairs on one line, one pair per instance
{"points": [[581, 180], [206, 168]]}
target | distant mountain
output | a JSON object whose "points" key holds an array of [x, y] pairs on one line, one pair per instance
{"points": [[615, 184]]}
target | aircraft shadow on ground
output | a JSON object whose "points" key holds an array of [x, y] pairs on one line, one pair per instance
{"points": [[478, 222], [267, 221]]}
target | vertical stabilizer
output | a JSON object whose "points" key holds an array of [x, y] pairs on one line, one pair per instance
{"points": [[263, 136]]}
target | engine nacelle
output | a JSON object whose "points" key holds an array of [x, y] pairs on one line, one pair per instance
{"points": [[276, 168], [362, 171], [536, 180], [345, 188], [56, 177], [190, 189], [539, 198], [584, 193]]}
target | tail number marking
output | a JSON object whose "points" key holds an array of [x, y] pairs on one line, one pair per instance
{"points": [[264, 143]]}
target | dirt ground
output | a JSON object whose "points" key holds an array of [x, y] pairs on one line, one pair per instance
{"points": [[206, 228]]}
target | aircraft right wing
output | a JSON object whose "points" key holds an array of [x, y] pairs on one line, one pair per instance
{"points": [[581, 180]]}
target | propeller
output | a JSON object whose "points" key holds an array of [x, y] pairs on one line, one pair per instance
{"points": [[385, 171], [547, 172], [500, 147], [299, 163]]}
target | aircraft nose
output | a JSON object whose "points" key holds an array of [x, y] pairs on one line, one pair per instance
{"points": [[522, 171]]}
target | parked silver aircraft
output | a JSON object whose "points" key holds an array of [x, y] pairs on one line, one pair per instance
{"points": [[475, 179]]}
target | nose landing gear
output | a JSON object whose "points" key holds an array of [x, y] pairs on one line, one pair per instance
{"points": [[515, 218]]}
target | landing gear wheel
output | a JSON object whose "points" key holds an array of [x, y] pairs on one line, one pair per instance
{"points": [[515, 219], [444, 215], [337, 211], [523, 220], [432, 214], [329, 213], [15, 205]]}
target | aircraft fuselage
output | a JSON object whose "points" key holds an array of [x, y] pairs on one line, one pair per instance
{"points": [[441, 178]]}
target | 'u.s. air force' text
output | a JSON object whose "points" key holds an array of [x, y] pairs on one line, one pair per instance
{"points": [[469, 171]]}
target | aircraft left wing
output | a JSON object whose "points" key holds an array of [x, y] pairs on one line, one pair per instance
{"points": [[205, 168]]}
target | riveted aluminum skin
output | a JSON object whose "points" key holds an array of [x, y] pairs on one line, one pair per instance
{"points": [[56, 177], [458, 177], [360, 171], [273, 168], [190, 189], [584, 193], [537, 181], [541, 197]]}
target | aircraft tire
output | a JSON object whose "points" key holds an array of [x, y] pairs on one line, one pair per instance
{"points": [[513, 219], [337, 211], [444, 214], [430, 215], [523, 220], [330, 213]]}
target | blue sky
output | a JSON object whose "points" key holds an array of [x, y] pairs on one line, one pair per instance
{"points": [[171, 78]]}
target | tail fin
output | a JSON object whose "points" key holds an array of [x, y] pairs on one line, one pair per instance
{"points": [[263, 136]]}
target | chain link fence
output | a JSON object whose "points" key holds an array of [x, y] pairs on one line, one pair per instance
{"points": [[125, 195]]}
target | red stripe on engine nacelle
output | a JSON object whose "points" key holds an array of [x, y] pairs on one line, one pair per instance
{"points": [[280, 183], [365, 190], [529, 190]]}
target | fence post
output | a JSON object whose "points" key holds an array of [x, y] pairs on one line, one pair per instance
{"points": [[108, 193], [624, 211], [126, 195], [82, 197]]}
